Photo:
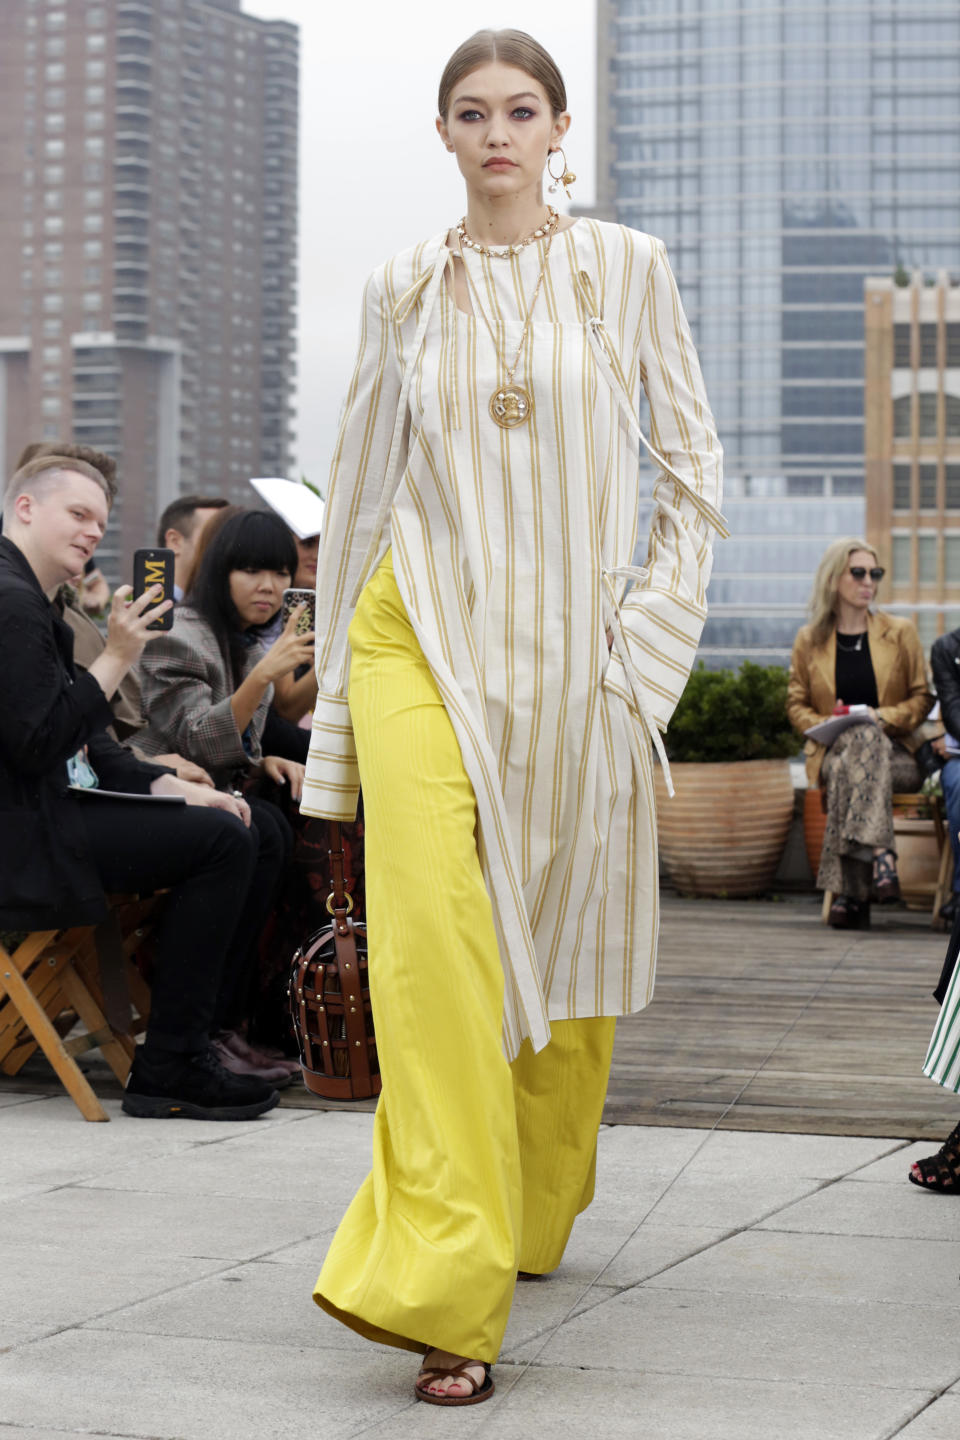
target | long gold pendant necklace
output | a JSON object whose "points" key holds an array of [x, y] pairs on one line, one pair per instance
{"points": [[510, 404]]}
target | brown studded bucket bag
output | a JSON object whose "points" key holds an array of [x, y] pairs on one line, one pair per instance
{"points": [[330, 999]]}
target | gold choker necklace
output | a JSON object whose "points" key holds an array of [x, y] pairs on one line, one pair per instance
{"points": [[504, 253]]}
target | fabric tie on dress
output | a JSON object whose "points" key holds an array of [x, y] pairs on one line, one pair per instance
{"points": [[608, 362]]}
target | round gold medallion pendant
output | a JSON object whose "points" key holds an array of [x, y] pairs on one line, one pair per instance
{"points": [[510, 406]]}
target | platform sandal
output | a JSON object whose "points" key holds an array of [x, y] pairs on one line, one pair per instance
{"points": [[430, 1374], [886, 885], [942, 1170]]}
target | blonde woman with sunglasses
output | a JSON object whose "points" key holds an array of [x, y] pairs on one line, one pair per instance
{"points": [[852, 654]]}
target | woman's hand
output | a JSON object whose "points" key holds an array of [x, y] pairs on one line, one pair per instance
{"points": [[185, 769], [285, 772], [287, 652], [201, 795]]}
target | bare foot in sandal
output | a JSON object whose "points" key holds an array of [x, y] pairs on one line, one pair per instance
{"points": [[448, 1379]]}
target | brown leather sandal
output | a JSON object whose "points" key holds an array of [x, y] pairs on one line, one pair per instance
{"points": [[942, 1170], [431, 1373]]}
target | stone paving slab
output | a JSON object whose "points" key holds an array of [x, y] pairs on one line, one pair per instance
{"points": [[940, 1422], [862, 1268], [573, 1404], [853, 1208], [757, 1337]]}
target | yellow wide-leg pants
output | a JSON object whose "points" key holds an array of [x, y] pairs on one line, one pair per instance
{"points": [[479, 1166]]}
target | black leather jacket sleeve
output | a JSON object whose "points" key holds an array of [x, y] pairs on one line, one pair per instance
{"points": [[945, 664]]}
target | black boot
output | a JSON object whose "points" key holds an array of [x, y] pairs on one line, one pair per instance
{"points": [[164, 1085]]}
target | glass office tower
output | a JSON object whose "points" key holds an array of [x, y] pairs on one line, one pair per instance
{"points": [[783, 150]]}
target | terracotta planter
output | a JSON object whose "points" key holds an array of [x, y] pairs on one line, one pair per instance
{"points": [[814, 826], [918, 860], [724, 831]]}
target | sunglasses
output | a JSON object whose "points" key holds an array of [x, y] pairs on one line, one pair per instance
{"points": [[860, 572]]}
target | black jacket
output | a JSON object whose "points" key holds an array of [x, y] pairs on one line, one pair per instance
{"points": [[47, 713], [945, 664]]}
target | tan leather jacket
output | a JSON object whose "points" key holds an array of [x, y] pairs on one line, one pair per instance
{"points": [[901, 674]]}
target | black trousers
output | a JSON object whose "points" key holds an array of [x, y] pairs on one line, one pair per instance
{"points": [[223, 879]]}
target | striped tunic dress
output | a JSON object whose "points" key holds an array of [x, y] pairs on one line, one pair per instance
{"points": [[513, 552], [943, 1054]]}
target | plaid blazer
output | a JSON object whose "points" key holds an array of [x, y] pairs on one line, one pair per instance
{"points": [[186, 700]]}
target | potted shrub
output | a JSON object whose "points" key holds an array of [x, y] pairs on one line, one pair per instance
{"points": [[729, 745]]}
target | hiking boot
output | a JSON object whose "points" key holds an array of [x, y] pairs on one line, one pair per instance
{"points": [[193, 1087]]}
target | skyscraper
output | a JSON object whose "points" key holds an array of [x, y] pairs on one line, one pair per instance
{"points": [[783, 152], [148, 207]]}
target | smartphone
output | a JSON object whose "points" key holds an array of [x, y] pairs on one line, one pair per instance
{"points": [[308, 620], [155, 567]]}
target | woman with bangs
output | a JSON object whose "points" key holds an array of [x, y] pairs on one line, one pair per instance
{"points": [[209, 682]]}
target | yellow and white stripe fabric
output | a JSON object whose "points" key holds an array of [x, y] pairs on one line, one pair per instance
{"points": [[514, 554]]}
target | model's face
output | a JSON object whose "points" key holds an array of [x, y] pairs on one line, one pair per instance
{"points": [[65, 526], [858, 593], [500, 127], [257, 594], [307, 550]]}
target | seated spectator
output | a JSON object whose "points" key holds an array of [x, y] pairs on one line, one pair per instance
{"points": [[850, 654], [65, 841], [180, 528], [207, 684], [945, 664], [88, 642]]}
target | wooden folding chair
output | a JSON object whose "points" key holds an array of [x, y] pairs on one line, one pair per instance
{"points": [[51, 980], [905, 807]]}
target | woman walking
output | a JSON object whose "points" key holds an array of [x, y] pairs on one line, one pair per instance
{"points": [[506, 670]]}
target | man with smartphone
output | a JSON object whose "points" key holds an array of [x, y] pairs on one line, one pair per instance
{"points": [[80, 816]]}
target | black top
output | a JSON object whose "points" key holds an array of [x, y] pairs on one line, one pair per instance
{"points": [[47, 712], [855, 680]]}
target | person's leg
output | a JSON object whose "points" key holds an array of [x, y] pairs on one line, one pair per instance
{"points": [[950, 780], [206, 859], [559, 1098], [427, 1252], [857, 775], [273, 841]]}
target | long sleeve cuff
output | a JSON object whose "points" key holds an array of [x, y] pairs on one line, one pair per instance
{"points": [[331, 787]]}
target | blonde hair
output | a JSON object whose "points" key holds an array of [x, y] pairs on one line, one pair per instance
{"points": [[43, 474], [823, 597], [510, 47]]}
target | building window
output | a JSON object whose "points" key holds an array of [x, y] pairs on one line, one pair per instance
{"points": [[928, 416], [901, 417], [94, 119], [52, 354], [52, 327], [901, 488], [92, 275], [952, 487], [52, 277], [953, 415], [53, 249], [928, 346], [95, 69], [93, 145], [953, 345], [53, 200], [902, 566], [927, 559], [53, 224], [55, 71], [928, 487], [92, 222], [53, 149], [94, 94], [93, 199], [92, 248], [96, 17], [96, 42], [50, 405], [53, 120], [91, 301], [53, 175], [951, 559]]}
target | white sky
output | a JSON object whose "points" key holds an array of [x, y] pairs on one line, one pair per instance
{"points": [[374, 176]]}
